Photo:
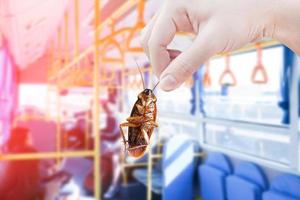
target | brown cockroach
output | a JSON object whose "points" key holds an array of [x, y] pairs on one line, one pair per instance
{"points": [[141, 122]]}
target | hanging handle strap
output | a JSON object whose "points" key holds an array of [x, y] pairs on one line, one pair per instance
{"points": [[227, 72], [259, 68]]}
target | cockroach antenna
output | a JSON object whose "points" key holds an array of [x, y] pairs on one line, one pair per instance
{"points": [[140, 73], [155, 86]]}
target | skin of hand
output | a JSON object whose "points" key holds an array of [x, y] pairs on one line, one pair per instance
{"points": [[219, 26]]}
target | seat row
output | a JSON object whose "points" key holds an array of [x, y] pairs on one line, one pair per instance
{"points": [[174, 176], [219, 181]]}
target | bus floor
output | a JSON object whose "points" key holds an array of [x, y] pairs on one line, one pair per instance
{"points": [[133, 191], [80, 167]]}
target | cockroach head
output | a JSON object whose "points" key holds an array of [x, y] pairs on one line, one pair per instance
{"points": [[146, 94]]}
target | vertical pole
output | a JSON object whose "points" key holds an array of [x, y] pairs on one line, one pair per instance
{"points": [[140, 10], [294, 109], [76, 20], [48, 100], [149, 176], [58, 120], [66, 38], [58, 123], [87, 131], [122, 95], [66, 58], [50, 67], [59, 51], [76, 54], [96, 108]]}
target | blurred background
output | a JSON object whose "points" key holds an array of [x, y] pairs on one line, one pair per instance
{"points": [[69, 77]]}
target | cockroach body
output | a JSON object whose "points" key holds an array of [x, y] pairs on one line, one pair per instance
{"points": [[141, 123]]}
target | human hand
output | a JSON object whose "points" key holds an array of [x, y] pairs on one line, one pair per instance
{"points": [[219, 26]]}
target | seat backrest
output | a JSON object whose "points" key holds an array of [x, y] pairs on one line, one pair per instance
{"points": [[287, 185], [248, 182], [212, 176], [219, 161], [178, 168], [252, 173]]}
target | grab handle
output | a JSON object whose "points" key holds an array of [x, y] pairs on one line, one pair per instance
{"points": [[227, 72], [259, 68]]}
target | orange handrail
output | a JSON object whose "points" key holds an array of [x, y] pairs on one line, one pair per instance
{"points": [[227, 72], [110, 44], [206, 78], [259, 68], [140, 24]]}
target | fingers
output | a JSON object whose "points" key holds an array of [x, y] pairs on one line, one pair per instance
{"points": [[155, 37], [163, 32], [186, 63], [146, 33]]}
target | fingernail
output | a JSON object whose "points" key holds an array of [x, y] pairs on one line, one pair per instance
{"points": [[168, 82]]}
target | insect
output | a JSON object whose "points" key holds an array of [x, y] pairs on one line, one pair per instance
{"points": [[141, 122]]}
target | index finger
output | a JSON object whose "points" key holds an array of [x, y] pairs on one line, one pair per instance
{"points": [[163, 32]]}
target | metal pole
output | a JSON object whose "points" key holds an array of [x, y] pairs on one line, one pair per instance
{"points": [[96, 108], [58, 119], [149, 176], [66, 38], [294, 109], [76, 20], [50, 67], [140, 10], [66, 59], [87, 131]]}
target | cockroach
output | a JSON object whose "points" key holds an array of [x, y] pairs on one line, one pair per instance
{"points": [[141, 122]]}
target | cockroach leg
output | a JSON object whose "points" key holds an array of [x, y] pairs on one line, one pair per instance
{"points": [[126, 124], [152, 123], [140, 108], [137, 147], [146, 137], [125, 146], [148, 103], [135, 119]]}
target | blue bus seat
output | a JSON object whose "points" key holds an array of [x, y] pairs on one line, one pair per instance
{"points": [[248, 182], [179, 168], [212, 175], [284, 187], [141, 176], [175, 179]]}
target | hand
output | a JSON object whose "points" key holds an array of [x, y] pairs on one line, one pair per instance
{"points": [[219, 26]]}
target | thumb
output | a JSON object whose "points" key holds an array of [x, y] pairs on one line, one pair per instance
{"points": [[185, 64]]}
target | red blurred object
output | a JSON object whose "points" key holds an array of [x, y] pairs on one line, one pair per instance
{"points": [[22, 177], [106, 174]]}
